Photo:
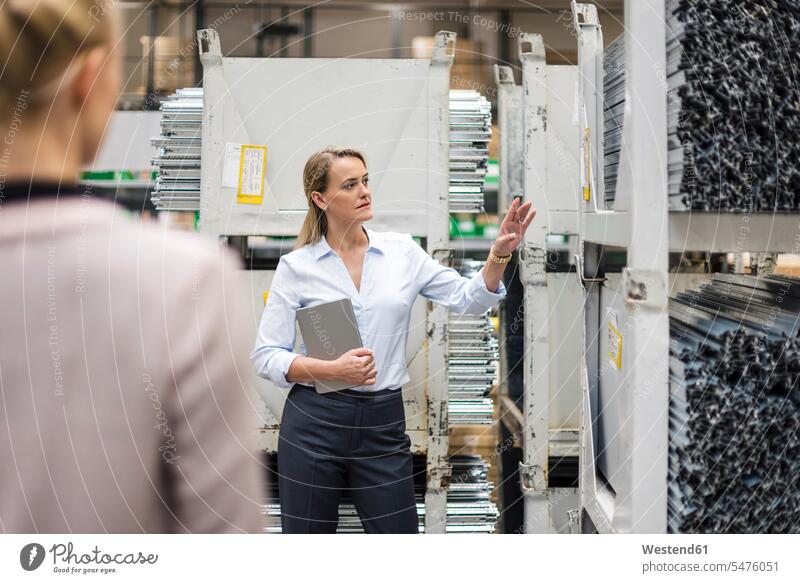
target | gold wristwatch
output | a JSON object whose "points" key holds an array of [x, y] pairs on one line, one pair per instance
{"points": [[497, 259]]}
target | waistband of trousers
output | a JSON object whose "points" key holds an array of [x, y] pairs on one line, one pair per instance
{"points": [[352, 396]]}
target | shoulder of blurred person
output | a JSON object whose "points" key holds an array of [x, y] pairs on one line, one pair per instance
{"points": [[160, 315], [124, 345]]}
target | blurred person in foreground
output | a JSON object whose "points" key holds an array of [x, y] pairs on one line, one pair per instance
{"points": [[123, 371]]}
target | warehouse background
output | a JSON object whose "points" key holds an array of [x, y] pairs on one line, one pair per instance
{"points": [[487, 32]]}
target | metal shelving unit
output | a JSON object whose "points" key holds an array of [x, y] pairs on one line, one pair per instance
{"points": [[178, 147], [402, 124], [624, 369]]}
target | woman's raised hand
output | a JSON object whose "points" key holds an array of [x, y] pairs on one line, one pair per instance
{"points": [[512, 229]]}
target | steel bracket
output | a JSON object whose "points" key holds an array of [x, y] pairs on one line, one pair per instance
{"points": [[439, 477], [579, 272], [208, 44], [644, 287], [444, 45], [503, 75], [574, 521], [532, 478], [584, 14]]}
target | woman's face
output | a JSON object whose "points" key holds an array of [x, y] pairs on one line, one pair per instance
{"points": [[347, 199]]}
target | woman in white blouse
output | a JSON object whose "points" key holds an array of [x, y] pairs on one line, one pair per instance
{"points": [[355, 439]]}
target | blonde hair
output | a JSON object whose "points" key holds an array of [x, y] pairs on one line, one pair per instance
{"points": [[39, 39], [315, 178]]}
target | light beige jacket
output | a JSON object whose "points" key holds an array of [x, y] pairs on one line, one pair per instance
{"points": [[123, 375]]}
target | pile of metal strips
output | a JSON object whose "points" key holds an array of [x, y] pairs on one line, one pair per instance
{"points": [[470, 133], [177, 185], [613, 110], [734, 410], [469, 507], [733, 105], [473, 355]]}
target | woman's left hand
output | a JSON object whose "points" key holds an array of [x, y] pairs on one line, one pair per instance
{"points": [[513, 227]]}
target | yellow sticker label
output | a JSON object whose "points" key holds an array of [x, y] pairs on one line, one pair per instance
{"points": [[587, 160], [252, 169], [615, 345], [266, 294]]}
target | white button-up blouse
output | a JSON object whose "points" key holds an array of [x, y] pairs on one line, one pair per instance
{"points": [[395, 270]]}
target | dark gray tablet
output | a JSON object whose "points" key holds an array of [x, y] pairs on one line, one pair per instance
{"points": [[328, 331]]}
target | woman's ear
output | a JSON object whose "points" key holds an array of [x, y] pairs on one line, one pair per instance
{"points": [[89, 67], [316, 196]]}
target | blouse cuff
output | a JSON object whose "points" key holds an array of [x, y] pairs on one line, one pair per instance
{"points": [[279, 366], [481, 294]]}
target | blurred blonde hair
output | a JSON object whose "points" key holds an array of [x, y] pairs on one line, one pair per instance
{"points": [[39, 39], [315, 178]]}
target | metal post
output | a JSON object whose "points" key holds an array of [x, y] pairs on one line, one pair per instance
{"points": [[590, 114], [588, 261], [199, 24], [438, 467], [210, 54], [535, 444], [645, 279]]}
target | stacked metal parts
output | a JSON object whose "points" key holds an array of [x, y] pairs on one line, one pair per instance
{"points": [[613, 110], [734, 413], [272, 503], [470, 133], [472, 361], [469, 507], [733, 105], [177, 186]]}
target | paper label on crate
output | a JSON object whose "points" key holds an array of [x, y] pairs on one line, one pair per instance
{"points": [[252, 168], [614, 340], [230, 165], [586, 166], [586, 159]]}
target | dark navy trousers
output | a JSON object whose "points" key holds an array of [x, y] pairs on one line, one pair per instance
{"points": [[351, 442]]}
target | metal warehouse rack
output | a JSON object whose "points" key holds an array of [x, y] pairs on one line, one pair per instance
{"points": [[177, 186], [539, 157], [400, 120], [625, 377]]}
